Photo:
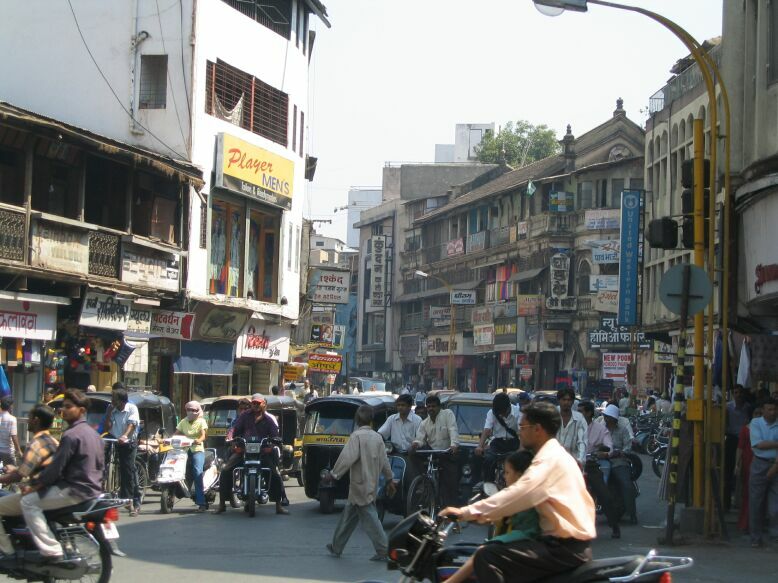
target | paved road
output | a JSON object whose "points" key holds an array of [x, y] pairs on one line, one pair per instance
{"points": [[185, 546]]}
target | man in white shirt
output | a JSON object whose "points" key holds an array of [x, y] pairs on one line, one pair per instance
{"points": [[400, 428], [503, 427], [573, 431], [123, 423], [439, 431]]}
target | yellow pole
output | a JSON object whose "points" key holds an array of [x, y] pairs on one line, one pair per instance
{"points": [[699, 319]]}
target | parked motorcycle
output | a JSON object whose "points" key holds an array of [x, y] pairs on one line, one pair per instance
{"points": [[659, 460], [86, 532], [251, 483], [175, 479]]}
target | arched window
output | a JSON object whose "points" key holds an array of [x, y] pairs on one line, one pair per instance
{"points": [[584, 272]]}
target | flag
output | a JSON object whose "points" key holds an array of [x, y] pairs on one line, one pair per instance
{"points": [[530, 188]]}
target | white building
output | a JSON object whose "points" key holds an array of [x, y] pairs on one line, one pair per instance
{"points": [[329, 251], [466, 137], [220, 83], [360, 199]]}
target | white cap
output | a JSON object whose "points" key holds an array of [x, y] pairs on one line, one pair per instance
{"points": [[611, 411]]}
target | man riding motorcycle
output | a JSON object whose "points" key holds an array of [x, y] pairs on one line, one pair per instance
{"points": [[253, 424]]}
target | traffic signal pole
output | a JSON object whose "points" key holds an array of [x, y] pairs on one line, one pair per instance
{"points": [[694, 410]]}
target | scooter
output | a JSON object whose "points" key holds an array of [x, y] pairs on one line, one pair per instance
{"points": [[174, 478]]}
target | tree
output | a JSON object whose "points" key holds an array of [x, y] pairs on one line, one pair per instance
{"points": [[522, 144]]}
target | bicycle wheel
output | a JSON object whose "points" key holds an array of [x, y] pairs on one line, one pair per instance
{"points": [[422, 496], [143, 478]]}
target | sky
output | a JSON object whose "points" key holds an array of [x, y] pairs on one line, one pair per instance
{"points": [[392, 78]]}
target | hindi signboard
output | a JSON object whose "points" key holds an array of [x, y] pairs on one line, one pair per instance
{"points": [[606, 301], [32, 321], [599, 219], [461, 297], [326, 363], [611, 335], [328, 287], [378, 271], [605, 251], [169, 324], [105, 311], [603, 283]]}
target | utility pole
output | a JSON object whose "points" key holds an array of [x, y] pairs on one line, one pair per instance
{"points": [[695, 411]]}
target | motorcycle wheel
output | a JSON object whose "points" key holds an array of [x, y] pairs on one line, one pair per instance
{"points": [[326, 501], [658, 462], [652, 445], [300, 481], [636, 465], [98, 557], [251, 497], [421, 496], [166, 500]]}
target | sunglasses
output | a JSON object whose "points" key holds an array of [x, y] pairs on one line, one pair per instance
{"points": [[193, 410]]}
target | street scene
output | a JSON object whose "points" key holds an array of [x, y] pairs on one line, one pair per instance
{"points": [[358, 290]]}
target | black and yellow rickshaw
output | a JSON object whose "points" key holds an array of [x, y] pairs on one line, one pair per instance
{"points": [[223, 411], [328, 423]]}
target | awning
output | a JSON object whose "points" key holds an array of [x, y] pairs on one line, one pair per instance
{"points": [[527, 274], [438, 291], [208, 358]]}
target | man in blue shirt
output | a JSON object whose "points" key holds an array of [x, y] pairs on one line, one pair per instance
{"points": [[763, 488], [122, 422]]}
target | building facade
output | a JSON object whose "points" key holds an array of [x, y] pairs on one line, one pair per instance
{"points": [[359, 199]]}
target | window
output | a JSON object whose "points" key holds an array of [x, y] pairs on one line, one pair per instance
{"points": [[12, 177], [584, 195], [247, 102], [262, 269], [320, 243], [302, 132], [584, 271], [155, 207], [297, 250], [153, 82], [203, 225], [227, 240], [294, 129], [636, 184], [55, 186], [289, 249], [273, 14], [617, 186]]}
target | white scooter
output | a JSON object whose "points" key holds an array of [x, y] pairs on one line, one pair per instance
{"points": [[175, 480]]}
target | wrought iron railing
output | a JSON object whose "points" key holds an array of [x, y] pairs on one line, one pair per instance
{"points": [[12, 235], [104, 254]]}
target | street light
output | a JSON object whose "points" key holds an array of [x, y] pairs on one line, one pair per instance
{"points": [[453, 326], [709, 71]]}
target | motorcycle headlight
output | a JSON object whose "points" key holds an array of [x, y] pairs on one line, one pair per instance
{"points": [[467, 471]]}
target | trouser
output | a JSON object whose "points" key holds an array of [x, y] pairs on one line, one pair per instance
{"points": [[33, 506], [762, 495], [623, 478], [10, 505], [8, 458], [236, 461], [367, 516], [198, 462], [128, 475], [730, 452], [595, 482], [529, 560]]}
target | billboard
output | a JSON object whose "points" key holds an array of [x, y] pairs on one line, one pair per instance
{"points": [[629, 260], [328, 287]]}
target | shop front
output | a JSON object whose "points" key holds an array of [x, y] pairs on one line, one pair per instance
{"points": [[438, 361], [262, 349]]}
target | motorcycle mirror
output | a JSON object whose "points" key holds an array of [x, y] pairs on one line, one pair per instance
{"points": [[490, 488]]}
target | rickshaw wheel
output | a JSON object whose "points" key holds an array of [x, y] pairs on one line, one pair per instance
{"points": [[326, 501]]}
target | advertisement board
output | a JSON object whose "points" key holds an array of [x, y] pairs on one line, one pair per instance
{"points": [[606, 301], [328, 287], [605, 251], [461, 297], [327, 363], [630, 255], [378, 271], [598, 219]]}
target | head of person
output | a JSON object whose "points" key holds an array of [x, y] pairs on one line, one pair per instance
{"points": [[421, 411], [41, 418], [244, 405], [75, 404], [524, 398], [6, 403], [91, 389], [541, 422], [258, 404], [193, 410], [404, 404], [433, 406], [119, 397], [501, 405], [275, 390], [611, 415], [586, 408], [516, 464], [307, 384], [770, 410], [566, 398], [50, 393], [364, 416], [739, 395]]}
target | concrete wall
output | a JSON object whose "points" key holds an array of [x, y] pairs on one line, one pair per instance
{"points": [[426, 180], [466, 137], [359, 200]]}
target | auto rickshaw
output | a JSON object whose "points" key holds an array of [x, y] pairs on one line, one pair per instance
{"points": [[223, 411], [328, 423]]}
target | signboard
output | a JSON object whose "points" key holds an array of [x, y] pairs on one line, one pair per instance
{"points": [[505, 358], [140, 322], [528, 305], [603, 283], [167, 324], [483, 337], [28, 320], [611, 335], [323, 334], [455, 247], [629, 261], [263, 341], [461, 297], [58, 247], [559, 272], [596, 220], [663, 353], [562, 303], [152, 270], [440, 315], [614, 365], [437, 345], [476, 242], [327, 363], [219, 323], [105, 311], [378, 271], [505, 330], [482, 315], [553, 341], [329, 287], [325, 316], [525, 373], [505, 309], [523, 229], [254, 172], [561, 202], [606, 301], [605, 251], [413, 349]]}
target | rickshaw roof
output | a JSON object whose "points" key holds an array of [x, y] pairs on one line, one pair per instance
{"points": [[141, 399], [353, 400], [273, 401], [484, 399]]}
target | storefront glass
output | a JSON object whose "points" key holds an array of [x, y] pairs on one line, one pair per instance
{"points": [[227, 240]]}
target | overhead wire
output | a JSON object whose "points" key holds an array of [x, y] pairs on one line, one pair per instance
{"points": [[110, 87]]}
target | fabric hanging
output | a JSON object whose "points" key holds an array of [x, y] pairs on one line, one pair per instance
{"points": [[744, 368], [234, 115]]}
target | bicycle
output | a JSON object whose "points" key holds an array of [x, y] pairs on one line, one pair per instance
{"points": [[112, 475], [424, 492]]}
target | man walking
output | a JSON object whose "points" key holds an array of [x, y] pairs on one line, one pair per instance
{"points": [[9, 440], [763, 483], [364, 457], [122, 423], [738, 416]]}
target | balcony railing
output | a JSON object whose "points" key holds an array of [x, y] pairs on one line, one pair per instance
{"points": [[12, 234], [500, 236], [104, 254]]}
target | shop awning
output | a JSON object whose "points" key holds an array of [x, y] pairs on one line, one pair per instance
{"points": [[527, 274], [208, 358]]}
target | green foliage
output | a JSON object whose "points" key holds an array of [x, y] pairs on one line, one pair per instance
{"points": [[521, 142]]}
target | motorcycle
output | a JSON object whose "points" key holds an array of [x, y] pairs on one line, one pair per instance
{"points": [[174, 477], [417, 548], [659, 460], [86, 531], [251, 483]]}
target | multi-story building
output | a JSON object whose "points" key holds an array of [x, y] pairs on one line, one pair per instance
{"points": [[506, 239], [329, 252], [467, 138], [182, 79], [360, 198]]}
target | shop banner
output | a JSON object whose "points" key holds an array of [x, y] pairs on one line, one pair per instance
{"points": [[606, 301], [378, 271], [59, 247], [603, 283], [327, 363], [614, 365], [29, 320], [105, 311], [139, 322], [505, 330], [483, 337], [460, 297], [597, 220], [528, 305], [263, 341], [611, 335], [606, 251], [219, 323], [254, 172], [328, 287], [175, 325]]}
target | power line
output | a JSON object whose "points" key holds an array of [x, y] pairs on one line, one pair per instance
{"points": [[119, 101]]}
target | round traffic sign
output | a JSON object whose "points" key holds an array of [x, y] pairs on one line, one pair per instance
{"points": [[671, 289]]}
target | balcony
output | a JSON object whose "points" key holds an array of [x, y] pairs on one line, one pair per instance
{"points": [[500, 236], [12, 224]]}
